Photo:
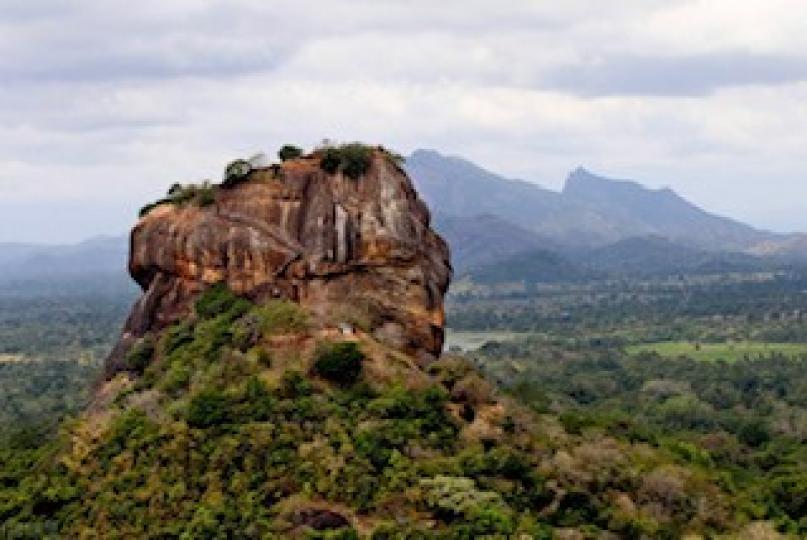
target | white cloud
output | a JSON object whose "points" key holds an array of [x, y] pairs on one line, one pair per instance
{"points": [[103, 104]]}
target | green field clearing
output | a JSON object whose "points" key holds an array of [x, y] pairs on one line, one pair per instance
{"points": [[710, 352]]}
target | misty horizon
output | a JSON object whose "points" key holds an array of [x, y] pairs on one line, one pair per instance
{"points": [[126, 214]]}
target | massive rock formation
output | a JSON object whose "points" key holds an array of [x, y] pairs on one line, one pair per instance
{"points": [[359, 250]]}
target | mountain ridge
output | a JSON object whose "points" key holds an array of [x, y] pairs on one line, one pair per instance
{"points": [[487, 238], [661, 212], [486, 218], [591, 210]]}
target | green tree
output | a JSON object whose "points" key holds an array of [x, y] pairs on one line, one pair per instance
{"points": [[289, 151], [208, 408], [339, 362]]}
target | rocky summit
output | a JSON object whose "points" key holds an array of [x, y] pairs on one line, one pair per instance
{"points": [[353, 251]]}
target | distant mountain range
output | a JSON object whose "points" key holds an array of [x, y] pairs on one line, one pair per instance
{"points": [[513, 230], [98, 264], [654, 255], [594, 225], [486, 239], [590, 210], [100, 255]]}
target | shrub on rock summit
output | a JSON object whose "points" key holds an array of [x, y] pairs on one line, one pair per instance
{"points": [[353, 160], [203, 194], [236, 171], [289, 151]]}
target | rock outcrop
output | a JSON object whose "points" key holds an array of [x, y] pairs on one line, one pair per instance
{"points": [[359, 251]]}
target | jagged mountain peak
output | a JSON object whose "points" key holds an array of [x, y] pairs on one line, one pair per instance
{"points": [[583, 182], [591, 209]]}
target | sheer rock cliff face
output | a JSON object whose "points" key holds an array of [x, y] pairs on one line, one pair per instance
{"points": [[348, 250]]}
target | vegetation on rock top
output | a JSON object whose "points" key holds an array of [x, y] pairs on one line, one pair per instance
{"points": [[351, 159], [203, 194], [289, 151]]}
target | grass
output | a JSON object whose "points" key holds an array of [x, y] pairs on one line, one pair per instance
{"points": [[730, 351]]}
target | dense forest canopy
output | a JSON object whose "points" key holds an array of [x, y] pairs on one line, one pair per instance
{"points": [[735, 425]]}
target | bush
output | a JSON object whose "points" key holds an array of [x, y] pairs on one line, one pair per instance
{"points": [[458, 497], [177, 336], [379, 444], [208, 408], [149, 207], [129, 430], [176, 378], [246, 332], [139, 356], [754, 433], [219, 300], [353, 160], [330, 161], [339, 362], [289, 151], [356, 159], [577, 507], [236, 172], [293, 385], [790, 492], [407, 416], [256, 402], [203, 194]]}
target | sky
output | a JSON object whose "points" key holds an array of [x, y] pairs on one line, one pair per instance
{"points": [[105, 103]]}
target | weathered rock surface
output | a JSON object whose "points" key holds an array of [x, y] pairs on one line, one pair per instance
{"points": [[345, 249]]}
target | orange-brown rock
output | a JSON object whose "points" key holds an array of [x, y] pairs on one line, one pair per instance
{"points": [[352, 249]]}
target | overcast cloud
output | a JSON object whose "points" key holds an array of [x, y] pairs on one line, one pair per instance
{"points": [[105, 103]]}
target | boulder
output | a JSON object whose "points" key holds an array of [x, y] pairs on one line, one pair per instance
{"points": [[357, 249]]}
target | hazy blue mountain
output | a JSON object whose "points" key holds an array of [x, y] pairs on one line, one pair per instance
{"points": [[655, 255], [531, 267], [479, 240], [634, 210], [103, 255], [632, 257], [457, 187], [591, 210], [453, 186], [11, 252]]}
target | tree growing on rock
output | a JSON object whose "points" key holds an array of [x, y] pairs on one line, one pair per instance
{"points": [[236, 172], [289, 151]]}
